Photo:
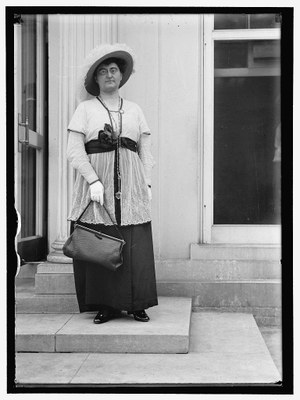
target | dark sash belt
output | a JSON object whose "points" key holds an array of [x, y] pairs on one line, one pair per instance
{"points": [[97, 146]]}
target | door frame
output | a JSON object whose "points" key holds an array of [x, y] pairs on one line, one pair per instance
{"points": [[31, 248], [254, 234]]}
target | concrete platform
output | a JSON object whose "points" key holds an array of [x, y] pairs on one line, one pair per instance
{"points": [[167, 332], [36, 332], [224, 348]]}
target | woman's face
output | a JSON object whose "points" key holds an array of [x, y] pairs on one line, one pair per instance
{"points": [[108, 77]]}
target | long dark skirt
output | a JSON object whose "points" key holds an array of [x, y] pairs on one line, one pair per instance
{"points": [[132, 287]]}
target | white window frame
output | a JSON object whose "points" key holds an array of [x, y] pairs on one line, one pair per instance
{"points": [[252, 234]]}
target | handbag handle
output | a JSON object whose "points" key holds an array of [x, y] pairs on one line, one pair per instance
{"points": [[106, 213]]}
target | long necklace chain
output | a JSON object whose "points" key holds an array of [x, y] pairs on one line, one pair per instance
{"points": [[118, 130], [116, 125]]}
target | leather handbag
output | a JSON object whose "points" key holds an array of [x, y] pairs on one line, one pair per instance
{"points": [[95, 247]]}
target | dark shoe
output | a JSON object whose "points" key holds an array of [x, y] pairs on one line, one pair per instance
{"points": [[103, 316], [140, 315]]}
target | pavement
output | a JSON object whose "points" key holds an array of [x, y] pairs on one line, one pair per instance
{"points": [[224, 348]]}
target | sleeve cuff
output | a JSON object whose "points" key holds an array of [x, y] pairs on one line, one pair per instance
{"points": [[92, 177]]}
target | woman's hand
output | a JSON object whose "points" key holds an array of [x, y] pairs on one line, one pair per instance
{"points": [[97, 192]]}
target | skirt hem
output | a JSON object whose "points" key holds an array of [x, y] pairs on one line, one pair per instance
{"points": [[137, 307]]}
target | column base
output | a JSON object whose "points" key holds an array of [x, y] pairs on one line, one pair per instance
{"points": [[57, 256]]}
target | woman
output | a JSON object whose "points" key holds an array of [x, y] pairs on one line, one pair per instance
{"points": [[109, 145]]}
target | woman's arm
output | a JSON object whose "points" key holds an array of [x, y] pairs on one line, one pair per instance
{"points": [[78, 157], [79, 160], [144, 151]]}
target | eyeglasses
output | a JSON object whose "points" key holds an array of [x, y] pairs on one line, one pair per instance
{"points": [[105, 71]]}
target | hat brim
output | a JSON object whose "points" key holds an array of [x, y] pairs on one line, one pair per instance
{"points": [[90, 83]]}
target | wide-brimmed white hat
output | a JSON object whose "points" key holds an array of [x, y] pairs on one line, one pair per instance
{"points": [[87, 85]]}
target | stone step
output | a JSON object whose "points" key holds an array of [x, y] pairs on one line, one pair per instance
{"points": [[28, 302], [35, 304], [52, 283], [255, 293], [260, 298], [252, 293], [264, 316], [225, 348], [195, 269], [58, 278], [235, 252], [27, 270], [167, 332], [213, 269]]}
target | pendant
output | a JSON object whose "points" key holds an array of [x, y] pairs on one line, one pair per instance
{"points": [[118, 195]]}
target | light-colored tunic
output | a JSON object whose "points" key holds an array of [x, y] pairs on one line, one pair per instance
{"points": [[135, 168]]}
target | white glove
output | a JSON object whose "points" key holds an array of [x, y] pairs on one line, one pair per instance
{"points": [[149, 193], [97, 192]]}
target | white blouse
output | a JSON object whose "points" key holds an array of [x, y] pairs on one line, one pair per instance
{"points": [[135, 168]]}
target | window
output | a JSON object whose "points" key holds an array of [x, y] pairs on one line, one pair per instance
{"points": [[247, 21], [247, 131]]}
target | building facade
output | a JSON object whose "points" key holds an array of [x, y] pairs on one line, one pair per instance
{"points": [[209, 86]]}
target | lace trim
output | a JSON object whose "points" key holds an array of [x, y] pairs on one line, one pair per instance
{"points": [[93, 222]]}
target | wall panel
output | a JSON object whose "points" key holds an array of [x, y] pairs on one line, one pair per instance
{"points": [[179, 133], [166, 85]]}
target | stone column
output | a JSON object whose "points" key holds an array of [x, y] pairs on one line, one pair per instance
{"points": [[71, 37], [61, 57]]}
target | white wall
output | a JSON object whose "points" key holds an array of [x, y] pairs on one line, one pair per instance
{"points": [[167, 87]]}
